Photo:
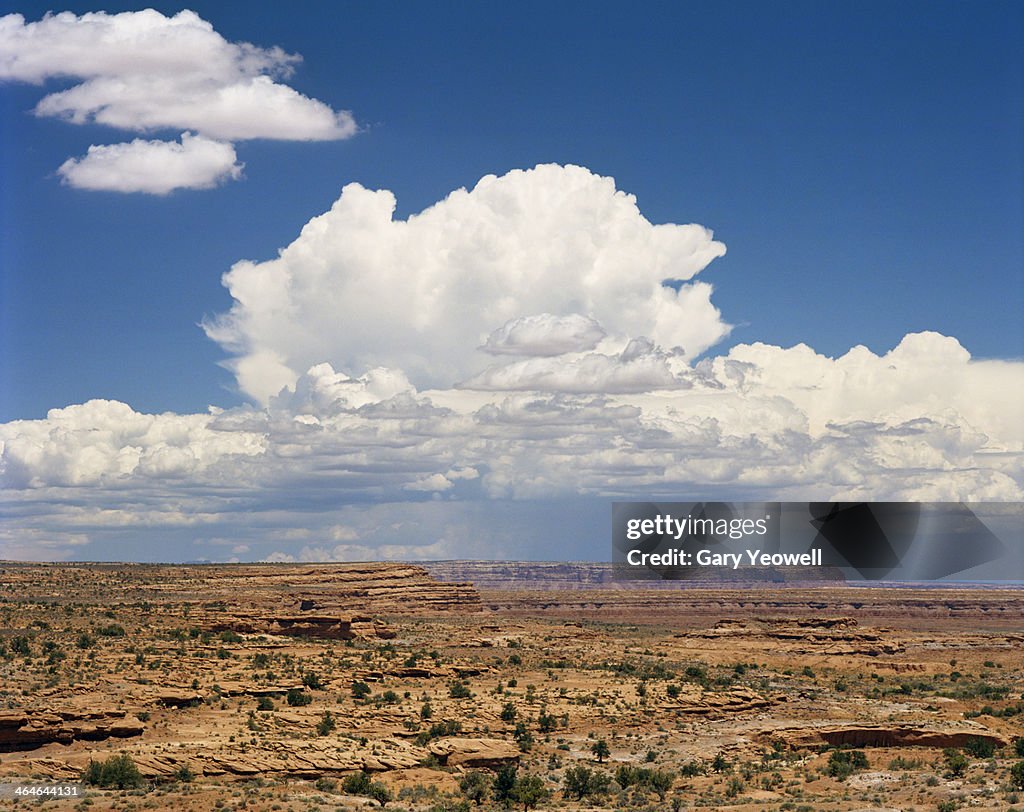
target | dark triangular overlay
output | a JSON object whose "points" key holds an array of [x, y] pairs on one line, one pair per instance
{"points": [[849, 534], [956, 540]]}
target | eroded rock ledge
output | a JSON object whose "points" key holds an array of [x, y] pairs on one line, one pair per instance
{"points": [[29, 729], [881, 736]]}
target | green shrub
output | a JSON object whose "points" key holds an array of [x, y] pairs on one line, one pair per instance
{"points": [[20, 645], [581, 782], [956, 762], [380, 793], [184, 774], [546, 722], [476, 785], [734, 787], [312, 681], [844, 763], [449, 727], [356, 784], [326, 724], [979, 747], [117, 771], [297, 697]]}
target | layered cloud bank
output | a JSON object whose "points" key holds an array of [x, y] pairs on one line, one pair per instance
{"points": [[143, 72], [920, 422], [512, 345]]}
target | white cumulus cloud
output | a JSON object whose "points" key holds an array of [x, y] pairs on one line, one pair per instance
{"points": [[513, 344], [154, 167], [142, 71], [534, 262]]}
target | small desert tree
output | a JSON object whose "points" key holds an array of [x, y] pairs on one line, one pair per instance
{"points": [[956, 762], [505, 782], [661, 782], [529, 791], [580, 782], [600, 750], [476, 786], [380, 793]]}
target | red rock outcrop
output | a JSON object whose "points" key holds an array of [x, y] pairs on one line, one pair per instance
{"points": [[459, 752], [28, 729], [882, 736], [330, 601]]}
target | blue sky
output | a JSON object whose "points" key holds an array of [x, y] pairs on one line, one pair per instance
{"points": [[863, 163]]}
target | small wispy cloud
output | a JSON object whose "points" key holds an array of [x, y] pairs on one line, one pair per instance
{"points": [[140, 71], [153, 167]]}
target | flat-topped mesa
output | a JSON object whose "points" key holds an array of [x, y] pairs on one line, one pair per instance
{"points": [[336, 601], [367, 587]]}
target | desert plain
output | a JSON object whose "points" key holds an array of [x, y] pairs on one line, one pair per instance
{"points": [[475, 685]]}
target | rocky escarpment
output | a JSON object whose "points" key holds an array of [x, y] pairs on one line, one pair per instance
{"points": [[824, 636], [332, 601], [328, 626], [310, 758], [361, 588], [719, 703], [28, 729], [285, 589], [882, 736]]}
